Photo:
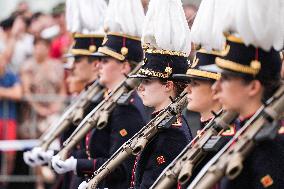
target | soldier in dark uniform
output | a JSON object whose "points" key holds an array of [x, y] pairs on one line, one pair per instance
{"points": [[125, 120], [200, 95], [84, 67], [157, 87], [250, 76]]}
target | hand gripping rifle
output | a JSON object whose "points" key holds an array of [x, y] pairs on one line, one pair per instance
{"points": [[229, 160], [98, 117], [182, 166], [137, 143], [73, 114]]}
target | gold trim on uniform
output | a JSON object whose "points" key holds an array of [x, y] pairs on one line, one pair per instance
{"points": [[79, 35], [229, 132], [223, 52], [92, 48], [234, 66], [80, 52], [111, 53], [234, 39], [125, 35], [201, 73], [148, 49], [152, 73]]}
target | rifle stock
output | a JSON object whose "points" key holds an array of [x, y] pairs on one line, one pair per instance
{"points": [[98, 117], [182, 166], [83, 101], [240, 146], [137, 143]]}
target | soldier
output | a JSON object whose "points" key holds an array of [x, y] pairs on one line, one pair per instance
{"points": [[199, 93], [122, 51], [250, 76], [164, 56]]}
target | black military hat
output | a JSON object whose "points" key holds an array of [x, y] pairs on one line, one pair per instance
{"points": [[122, 47], [240, 59], [162, 64], [86, 45], [202, 58]]}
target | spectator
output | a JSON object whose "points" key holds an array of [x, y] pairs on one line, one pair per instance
{"points": [[190, 13], [62, 42], [10, 91], [16, 44], [43, 76]]}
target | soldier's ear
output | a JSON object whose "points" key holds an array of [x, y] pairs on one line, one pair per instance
{"points": [[255, 88], [126, 68], [169, 86]]}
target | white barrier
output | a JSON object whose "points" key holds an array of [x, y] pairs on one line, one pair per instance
{"points": [[18, 145]]}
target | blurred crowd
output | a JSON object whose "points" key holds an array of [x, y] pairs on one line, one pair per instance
{"points": [[33, 86]]}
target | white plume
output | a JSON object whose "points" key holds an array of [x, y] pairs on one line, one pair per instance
{"points": [[85, 16], [125, 16], [166, 27]]}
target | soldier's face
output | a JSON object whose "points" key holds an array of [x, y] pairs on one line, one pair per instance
{"points": [[200, 96], [232, 93], [153, 93], [82, 69], [111, 72]]}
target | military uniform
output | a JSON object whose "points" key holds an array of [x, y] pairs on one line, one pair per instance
{"points": [[84, 45], [124, 122], [159, 152], [263, 166]]}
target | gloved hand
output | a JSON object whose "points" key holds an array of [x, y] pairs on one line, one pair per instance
{"points": [[44, 156], [62, 167], [29, 159], [83, 185], [37, 156]]}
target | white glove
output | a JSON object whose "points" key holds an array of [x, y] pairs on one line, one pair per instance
{"points": [[44, 156], [29, 159], [62, 167], [37, 156], [83, 185]]}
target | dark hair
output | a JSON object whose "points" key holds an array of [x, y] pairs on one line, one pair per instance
{"points": [[178, 85], [270, 85]]}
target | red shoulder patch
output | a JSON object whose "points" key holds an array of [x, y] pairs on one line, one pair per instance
{"points": [[161, 160], [266, 181]]}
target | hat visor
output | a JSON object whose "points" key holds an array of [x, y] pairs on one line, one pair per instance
{"points": [[212, 68], [98, 54], [188, 77], [68, 65], [68, 55]]}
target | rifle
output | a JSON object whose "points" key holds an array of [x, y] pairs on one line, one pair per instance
{"points": [[73, 114], [182, 166], [229, 160], [137, 143], [98, 117]]}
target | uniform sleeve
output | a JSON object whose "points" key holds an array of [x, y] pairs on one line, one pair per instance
{"points": [[124, 122]]}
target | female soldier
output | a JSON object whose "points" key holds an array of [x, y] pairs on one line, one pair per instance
{"points": [[249, 77], [164, 56]]}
